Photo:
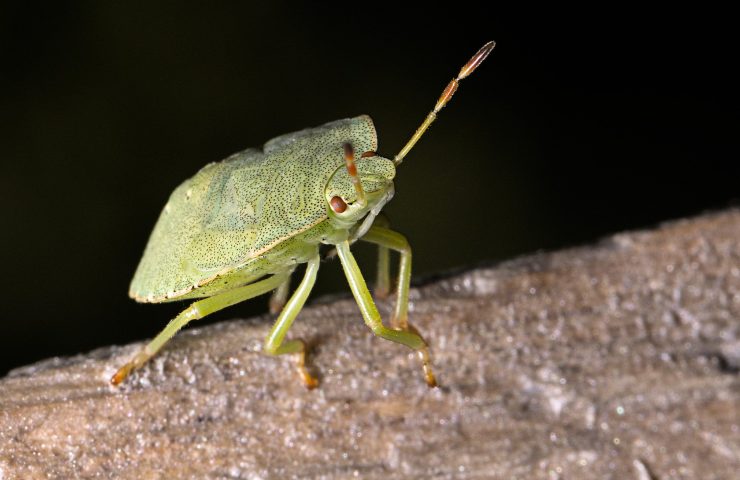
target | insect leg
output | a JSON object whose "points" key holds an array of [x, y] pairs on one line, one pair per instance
{"points": [[279, 297], [196, 311], [383, 280], [274, 344], [386, 238], [372, 316]]}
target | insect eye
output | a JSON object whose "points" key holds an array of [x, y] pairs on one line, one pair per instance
{"points": [[337, 204]]}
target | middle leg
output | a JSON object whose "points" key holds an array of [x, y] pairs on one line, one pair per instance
{"points": [[274, 344]]}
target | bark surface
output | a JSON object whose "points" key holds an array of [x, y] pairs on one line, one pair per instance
{"points": [[617, 360]]}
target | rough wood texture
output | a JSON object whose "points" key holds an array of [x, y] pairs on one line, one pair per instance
{"points": [[613, 361]]}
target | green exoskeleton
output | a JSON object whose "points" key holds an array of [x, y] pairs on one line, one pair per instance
{"points": [[240, 227]]}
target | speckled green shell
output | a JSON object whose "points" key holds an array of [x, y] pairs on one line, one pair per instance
{"points": [[237, 210]]}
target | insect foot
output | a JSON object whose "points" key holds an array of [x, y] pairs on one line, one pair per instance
{"points": [[309, 381], [426, 364], [126, 370]]}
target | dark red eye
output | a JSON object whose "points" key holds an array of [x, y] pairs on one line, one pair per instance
{"points": [[337, 204]]}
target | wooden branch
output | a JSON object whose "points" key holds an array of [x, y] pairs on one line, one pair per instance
{"points": [[618, 360]]}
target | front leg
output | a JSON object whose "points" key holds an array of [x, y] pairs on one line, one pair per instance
{"points": [[386, 239], [383, 273], [372, 316]]}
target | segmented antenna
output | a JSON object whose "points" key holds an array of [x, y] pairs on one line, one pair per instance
{"points": [[349, 160], [447, 94]]}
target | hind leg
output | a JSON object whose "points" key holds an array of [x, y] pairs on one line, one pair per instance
{"points": [[195, 311]]}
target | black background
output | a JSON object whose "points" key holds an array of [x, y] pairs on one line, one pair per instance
{"points": [[581, 123]]}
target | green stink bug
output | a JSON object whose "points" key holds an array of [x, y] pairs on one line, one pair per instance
{"points": [[240, 227]]}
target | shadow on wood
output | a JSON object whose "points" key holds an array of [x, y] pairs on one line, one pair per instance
{"points": [[618, 360]]}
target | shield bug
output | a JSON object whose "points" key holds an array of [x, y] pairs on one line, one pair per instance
{"points": [[240, 227]]}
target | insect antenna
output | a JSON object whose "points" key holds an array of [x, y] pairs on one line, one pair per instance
{"points": [[447, 94], [349, 160]]}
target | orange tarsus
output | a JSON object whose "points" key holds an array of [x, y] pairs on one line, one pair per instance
{"points": [[120, 375]]}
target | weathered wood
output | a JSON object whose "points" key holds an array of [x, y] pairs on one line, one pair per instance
{"points": [[618, 360]]}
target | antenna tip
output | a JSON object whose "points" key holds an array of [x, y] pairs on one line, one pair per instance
{"points": [[476, 60]]}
